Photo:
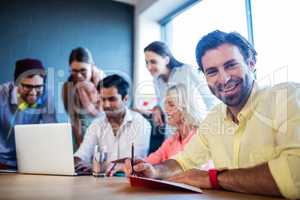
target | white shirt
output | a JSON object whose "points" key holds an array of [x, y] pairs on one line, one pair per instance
{"points": [[196, 86], [135, 128]]}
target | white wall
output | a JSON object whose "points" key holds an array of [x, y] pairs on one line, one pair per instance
{"points": [[147, 30]]}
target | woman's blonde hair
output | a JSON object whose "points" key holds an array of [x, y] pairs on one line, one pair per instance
{"points": [[191, 110]]}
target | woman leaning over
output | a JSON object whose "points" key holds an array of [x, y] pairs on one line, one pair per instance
{"points": [[80, 96]]}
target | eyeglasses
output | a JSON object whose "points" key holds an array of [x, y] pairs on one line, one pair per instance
{"points": [[81, 71], [29, 87]]}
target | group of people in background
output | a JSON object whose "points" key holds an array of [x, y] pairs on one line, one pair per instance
{"points": [[227, 131], [97, 107]]}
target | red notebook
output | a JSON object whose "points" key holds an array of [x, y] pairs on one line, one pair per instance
{"points": [[136, 181]]}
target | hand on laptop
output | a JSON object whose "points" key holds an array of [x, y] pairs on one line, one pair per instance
{"points": [[82, 167]]}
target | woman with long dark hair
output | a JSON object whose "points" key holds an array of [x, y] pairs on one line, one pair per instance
{"points": [[80, 96], [168, 71]]}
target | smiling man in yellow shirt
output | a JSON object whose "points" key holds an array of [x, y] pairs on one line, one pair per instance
{"points": [[254, 135]]}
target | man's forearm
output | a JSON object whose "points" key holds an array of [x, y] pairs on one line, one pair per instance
{"points": [[254, 180], [167, 169]]}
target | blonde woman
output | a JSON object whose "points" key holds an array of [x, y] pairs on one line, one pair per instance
{"points": [[183, 114]]}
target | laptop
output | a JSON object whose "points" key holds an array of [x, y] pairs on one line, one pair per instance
{"points": [[45, 149]]}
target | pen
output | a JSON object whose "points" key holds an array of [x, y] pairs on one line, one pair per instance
{"points": [[121, 160], [111, 169], [132, 158]]}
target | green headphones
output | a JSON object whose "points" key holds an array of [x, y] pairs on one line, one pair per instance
{"points": [[23, 106]]}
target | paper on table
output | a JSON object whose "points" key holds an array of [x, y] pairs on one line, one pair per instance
{"points": [[136, 181]]}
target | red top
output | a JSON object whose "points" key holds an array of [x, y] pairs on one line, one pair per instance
{"points": [[170, 147]]}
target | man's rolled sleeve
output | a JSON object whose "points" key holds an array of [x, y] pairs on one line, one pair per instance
{"points": [[142, 133], [286, 175], [285, 167], [86, 149], [195, 153]]}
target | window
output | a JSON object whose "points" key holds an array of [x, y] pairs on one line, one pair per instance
{"points": [[274, 34], [276, 40], [185, 30]]}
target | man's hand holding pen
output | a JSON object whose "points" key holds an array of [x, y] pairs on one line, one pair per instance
{"points": [[140, 167]]}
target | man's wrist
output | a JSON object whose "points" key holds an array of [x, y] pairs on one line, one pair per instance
{"points": [[213, 178]]}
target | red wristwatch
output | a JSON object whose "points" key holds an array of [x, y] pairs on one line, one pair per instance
{"points": [[213, 177]]}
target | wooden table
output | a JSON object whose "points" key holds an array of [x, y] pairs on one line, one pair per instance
{"points": [[21, 186]]}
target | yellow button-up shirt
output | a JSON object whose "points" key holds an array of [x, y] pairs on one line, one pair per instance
{"points": [[268, 131]]}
